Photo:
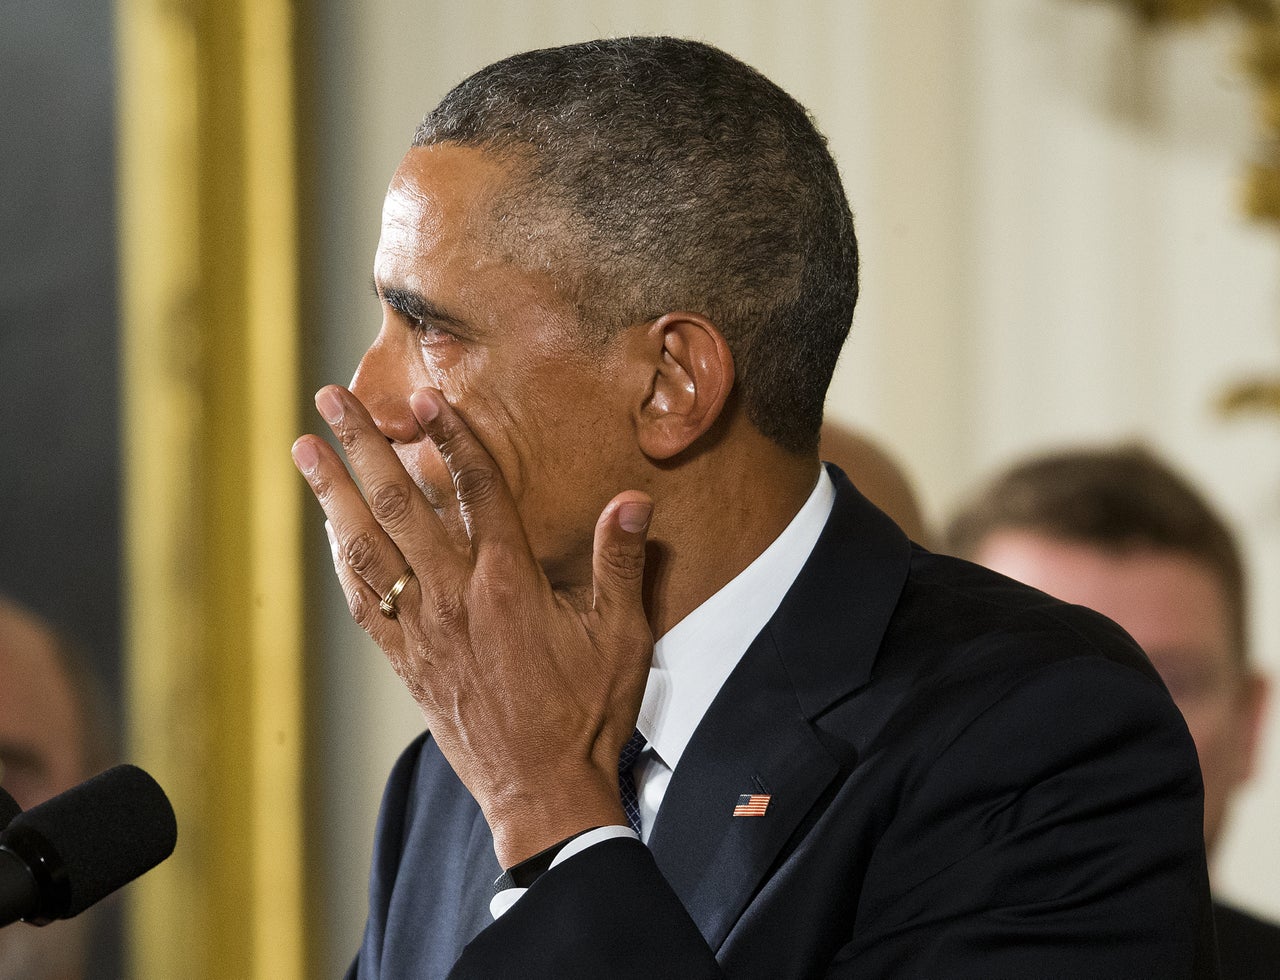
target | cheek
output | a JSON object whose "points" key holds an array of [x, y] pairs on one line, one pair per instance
{"points": [[512, 412]]}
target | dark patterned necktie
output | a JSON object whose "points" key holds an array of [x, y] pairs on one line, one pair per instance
{"points": [[627, 780]]}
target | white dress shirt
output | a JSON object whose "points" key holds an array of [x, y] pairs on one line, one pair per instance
{"points": [[694, 658]]}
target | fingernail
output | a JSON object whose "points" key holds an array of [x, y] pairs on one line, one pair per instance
{"points": [[329, 405], [633, 516], [424, 405], [333, 539], [305, 455]]}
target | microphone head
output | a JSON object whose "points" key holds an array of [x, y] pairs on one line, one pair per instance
{"points": [[8, 808], [104, 833]]}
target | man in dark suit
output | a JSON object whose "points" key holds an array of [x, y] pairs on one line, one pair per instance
{"points": [[1116, 529], [615, 279]]}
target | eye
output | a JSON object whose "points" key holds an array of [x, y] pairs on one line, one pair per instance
{"points": [[430, 326], [411, 317], [429, 331]]}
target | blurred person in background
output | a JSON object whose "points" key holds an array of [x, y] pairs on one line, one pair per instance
{"points": [[877, 474], [1117, 530], [55, 732]]}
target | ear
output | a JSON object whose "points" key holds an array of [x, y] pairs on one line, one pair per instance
{"points": [[690, 376]]}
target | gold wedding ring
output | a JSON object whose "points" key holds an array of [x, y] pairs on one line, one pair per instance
{"points": [[388, 603]]}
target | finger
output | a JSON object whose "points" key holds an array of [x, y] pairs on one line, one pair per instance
{"points": [[618, 564], [394, 502], [363, 553], [362, 600], [484, 500], [364, 605]]}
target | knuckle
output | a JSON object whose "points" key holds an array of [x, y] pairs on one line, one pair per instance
{"points": [[496, 591], [391, 504], [449, 611], [624, 563], [475, 485], [448, 438], [348, 438], [359, 552], [321, 485], [362, 609]]}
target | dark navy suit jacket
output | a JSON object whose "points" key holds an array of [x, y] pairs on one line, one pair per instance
{"points": [[966, 778]]}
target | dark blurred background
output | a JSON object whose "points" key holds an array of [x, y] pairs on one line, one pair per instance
{"points": [[59, 417]]}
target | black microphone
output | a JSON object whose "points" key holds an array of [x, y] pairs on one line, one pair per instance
{"points": [[8, 808], [75, 849]]}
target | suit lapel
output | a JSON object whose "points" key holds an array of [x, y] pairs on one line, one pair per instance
{"points": [[761, 734], [715, 860]]}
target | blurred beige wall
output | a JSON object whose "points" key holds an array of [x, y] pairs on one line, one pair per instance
{"points": [[1047, 202]]}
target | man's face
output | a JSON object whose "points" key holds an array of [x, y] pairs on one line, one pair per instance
{"points": [[1176, 610], [41, 732], [501, 343]]}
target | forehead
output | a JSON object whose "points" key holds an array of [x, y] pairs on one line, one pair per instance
{"points": [[1163, 599], [459, 230], [441, 196]]}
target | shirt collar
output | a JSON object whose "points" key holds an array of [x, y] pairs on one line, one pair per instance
{"points": [[694, 658]]}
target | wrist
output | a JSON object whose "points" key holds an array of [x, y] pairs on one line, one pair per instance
{"points": [[534, 824], [528, 871]]}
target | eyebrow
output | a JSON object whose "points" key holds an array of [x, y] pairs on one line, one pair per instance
{"points": [[413, 304]]}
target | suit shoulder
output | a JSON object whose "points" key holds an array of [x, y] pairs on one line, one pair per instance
{"points": [[403, 772], [966, 647], [955, 608]]}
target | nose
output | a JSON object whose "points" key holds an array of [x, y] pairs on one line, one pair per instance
{"points": [[382, 383]]}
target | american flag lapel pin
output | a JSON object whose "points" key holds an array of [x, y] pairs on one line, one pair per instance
{"points": [[752, 805]]}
